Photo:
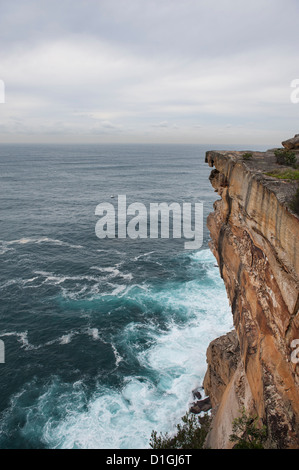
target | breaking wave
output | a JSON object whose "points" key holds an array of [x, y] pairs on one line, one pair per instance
{"points": [[168, 357]]}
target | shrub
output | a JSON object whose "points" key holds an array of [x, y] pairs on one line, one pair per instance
{"points": [[247, 156], [285, 157], [246, 432], [190, 435]]}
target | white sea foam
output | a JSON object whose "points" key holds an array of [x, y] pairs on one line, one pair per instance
{"points": [[128, 276], [8, 283], [202, 256], [118, 357], [94, 333], [113, 272], [111, 251], [91, 288], [66, 339], [24, 283], [4, 248], [174, 359], [57, 278], [143, 255], [22, 337], [76, 290], [38, 240], [111, 419], [118, 290]]}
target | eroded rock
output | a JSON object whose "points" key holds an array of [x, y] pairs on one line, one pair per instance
{"points": [[255, 239], [201, 405], [292, 144]]}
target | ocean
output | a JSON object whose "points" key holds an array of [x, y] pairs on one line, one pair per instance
{"points": [[105, 339]]}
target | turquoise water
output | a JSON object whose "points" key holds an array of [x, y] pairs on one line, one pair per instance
{"points": [[104, 339]]}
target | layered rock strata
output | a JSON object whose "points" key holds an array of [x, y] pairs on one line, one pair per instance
{"points": [[255, 239]]}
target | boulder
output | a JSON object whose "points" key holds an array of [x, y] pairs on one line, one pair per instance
{"points": [[201, 405], [196, 393], [292, 144]]}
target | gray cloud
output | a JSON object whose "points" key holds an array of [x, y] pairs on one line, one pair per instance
{"points": [[126, 70]]}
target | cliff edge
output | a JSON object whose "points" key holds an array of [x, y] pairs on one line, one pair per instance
{"points": [[255, 239]]}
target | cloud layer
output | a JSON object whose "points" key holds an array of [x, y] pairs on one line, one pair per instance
{"points": [[149, 71]]}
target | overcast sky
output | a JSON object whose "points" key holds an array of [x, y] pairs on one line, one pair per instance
{"points": [[187, 71]]}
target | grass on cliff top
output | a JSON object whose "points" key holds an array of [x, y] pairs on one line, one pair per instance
{"points": [[283, 174]]}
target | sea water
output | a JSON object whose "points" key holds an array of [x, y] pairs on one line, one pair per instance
{"points": [[104, 339]]}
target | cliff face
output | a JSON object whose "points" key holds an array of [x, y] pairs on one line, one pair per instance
{"points": [[255, 239]]}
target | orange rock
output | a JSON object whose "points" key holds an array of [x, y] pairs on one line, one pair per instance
{"points": [[255, 239]]}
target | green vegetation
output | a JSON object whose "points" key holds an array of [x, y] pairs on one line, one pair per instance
{"points": [[247, 156], [290, 174], [247, 434], [190, 435], [294, 205], [285, 157]]}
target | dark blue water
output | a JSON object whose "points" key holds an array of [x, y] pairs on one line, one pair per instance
{"points": [[104, 339]]}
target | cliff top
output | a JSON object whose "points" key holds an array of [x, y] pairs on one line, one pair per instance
{"points": [[260, 164]]}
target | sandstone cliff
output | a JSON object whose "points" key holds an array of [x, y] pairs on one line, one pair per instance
{"points": [[255, 239]]}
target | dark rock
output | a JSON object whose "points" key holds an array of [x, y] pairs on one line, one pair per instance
{"points": [[201, 405], [196, 393], [292, 144]]}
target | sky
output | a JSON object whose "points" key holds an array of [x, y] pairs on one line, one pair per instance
{"points": [[152, 71]]}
